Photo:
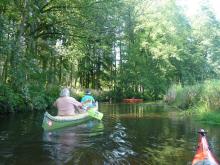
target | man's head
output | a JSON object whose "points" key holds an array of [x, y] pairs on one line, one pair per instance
{"points": [[65, 92], [87, 92]]}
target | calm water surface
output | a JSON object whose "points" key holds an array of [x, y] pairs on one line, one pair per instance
{"points": [[129, 134]]}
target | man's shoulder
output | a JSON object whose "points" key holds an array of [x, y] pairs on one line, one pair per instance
{"points": [[66, 98], [71, 98], [92, 97]]}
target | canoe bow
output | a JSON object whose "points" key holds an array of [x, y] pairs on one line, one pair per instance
{"points": [[203, 154]]}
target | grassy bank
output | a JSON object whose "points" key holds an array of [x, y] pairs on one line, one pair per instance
{"points": [[201, 100]]}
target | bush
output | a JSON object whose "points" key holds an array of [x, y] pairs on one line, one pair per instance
{"points": [[41, 98], [9, 100]]}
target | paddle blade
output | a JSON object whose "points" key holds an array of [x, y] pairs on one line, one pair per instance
{"points": [[96, 114]]}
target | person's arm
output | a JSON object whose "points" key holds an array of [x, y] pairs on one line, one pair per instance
{"points": [[93, 100], [76, 103]]}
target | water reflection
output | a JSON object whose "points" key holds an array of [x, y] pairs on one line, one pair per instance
{"points": [[159, 136], [136, 134], [166, 152], [61, 144], [132, 111]]}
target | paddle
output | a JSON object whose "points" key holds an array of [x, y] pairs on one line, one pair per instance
{"points": [[93, 112]]}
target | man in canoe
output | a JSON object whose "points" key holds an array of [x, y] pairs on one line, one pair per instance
{"points": [[88, 100], [66, 105]]}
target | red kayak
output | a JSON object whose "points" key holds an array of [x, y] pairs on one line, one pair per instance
{"points": [[133, 100], [203, 154]]}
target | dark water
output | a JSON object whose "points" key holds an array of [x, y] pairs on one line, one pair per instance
{"points": [[129, 134]]}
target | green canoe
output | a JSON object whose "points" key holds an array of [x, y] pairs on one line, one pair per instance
{"points": [[53, 122]]}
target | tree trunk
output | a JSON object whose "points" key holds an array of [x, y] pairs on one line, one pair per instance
{"points": [[60, 70]]}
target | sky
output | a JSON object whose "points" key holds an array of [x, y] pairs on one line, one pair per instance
{"points": [[192, 5]]}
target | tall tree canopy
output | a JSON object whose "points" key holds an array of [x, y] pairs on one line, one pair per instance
{"points": [[131, 48]]}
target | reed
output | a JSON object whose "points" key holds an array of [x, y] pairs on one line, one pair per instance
{"points": [[201, 99]]}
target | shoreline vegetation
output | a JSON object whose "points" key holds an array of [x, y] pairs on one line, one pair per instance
{"points": [[201, 100], [38, 98], [115, 48]]}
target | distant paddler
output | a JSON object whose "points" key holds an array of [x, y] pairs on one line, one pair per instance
{"points": [[88, 100], [91, 106]]}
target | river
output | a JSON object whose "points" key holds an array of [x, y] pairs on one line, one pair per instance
{"points": [[128, 134]]}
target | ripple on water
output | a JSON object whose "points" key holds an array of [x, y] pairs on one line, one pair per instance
{"points": [[118, 148], [3, 136]]}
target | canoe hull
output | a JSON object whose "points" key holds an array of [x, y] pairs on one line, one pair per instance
{"points": [[54, 122], [203, 154]]}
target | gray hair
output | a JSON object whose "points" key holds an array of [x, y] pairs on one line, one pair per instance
{"points": [[65, 92]]}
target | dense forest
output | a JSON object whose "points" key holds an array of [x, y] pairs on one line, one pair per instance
{"points": [[119, 48]]}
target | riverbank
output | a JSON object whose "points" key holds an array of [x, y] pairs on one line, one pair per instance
{"points": [[35, 97], [202, 101], [38, 97]]}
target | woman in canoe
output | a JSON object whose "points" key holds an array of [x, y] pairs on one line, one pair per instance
{"points": [[66, 105]]}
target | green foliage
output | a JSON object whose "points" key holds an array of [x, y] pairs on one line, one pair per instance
{"points": [[209, 117], [39, 102], [9, 99], [184, 97], [41, 98], [32, 97], [115, 46], [201, 100], [201, 97]]}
